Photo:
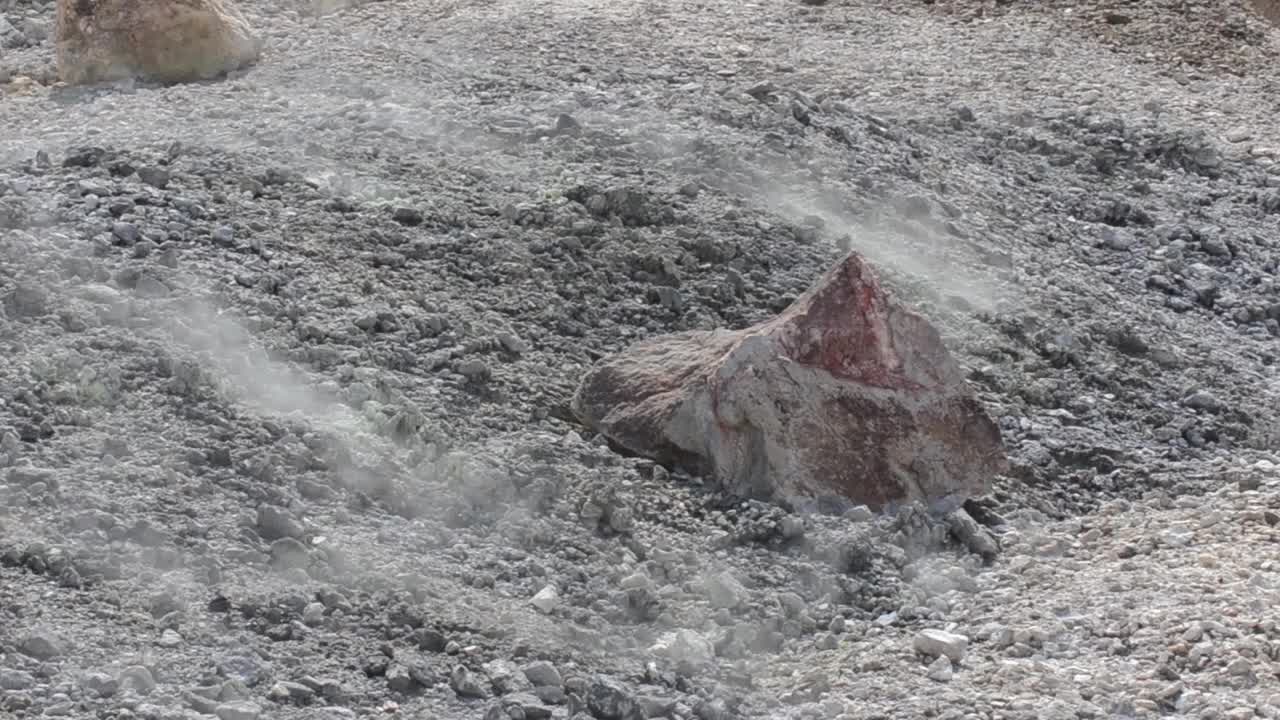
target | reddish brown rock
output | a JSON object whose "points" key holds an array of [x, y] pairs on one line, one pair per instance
{"points": [[168, 41], [847, 395]]}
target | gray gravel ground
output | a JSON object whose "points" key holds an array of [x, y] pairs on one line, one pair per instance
{"points": [[285, 362]]}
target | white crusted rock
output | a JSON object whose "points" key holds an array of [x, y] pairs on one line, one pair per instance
{"points": [[935, 643]]}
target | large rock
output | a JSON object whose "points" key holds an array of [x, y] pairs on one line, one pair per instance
{"points": [[847, 396], [167, 41]]}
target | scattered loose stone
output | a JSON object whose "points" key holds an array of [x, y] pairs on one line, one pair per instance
{"points": [[724, 591], [43, 645], [685, 648], [238, 711], [543, 674], [286, 418], [940, 669], [137, 678], [16, 680], [546, 599], [609, 700], [466, 683]]}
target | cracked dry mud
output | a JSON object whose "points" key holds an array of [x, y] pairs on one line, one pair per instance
{"points": [[285, 362]]}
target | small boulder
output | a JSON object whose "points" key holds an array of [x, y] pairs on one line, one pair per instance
{"points": [[940, 643], [973, 536], [42, 645], [685, 648], [16, 680], [541, 673], [846, 397], [724, 591], [467, 684], [546, 599], [941, 670], [505, 677], [608, 699], [168, 41], [239, 710]]}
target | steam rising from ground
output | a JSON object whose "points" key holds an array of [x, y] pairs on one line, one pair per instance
{"points": [[249, 373], [902, 237], [232, 356], [246, 372], [916, 257]]}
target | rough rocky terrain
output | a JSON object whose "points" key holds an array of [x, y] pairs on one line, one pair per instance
{"points": [[286, 360]]}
